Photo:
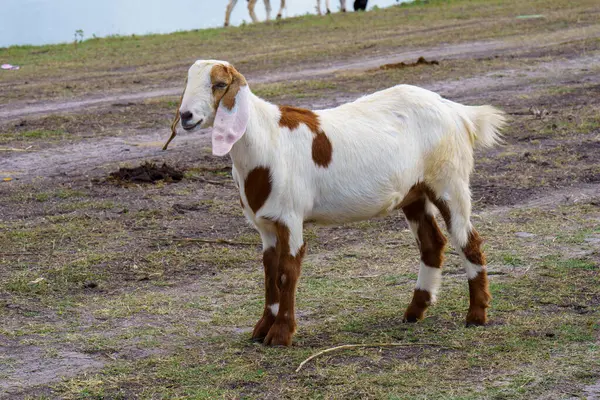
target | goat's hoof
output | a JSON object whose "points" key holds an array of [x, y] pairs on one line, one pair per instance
{"points": [[414, 313], [278, 17], [412, 318], [262, 327], [280, 334], [476, 317], [328, 12]]}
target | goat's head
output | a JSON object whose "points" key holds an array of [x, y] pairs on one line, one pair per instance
{"points": [[217, 96]]}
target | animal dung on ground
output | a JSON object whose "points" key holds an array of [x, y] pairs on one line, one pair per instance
{"points": [[147, 173], [400, 65]]}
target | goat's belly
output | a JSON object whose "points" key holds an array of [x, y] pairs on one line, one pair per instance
{"points": [[351, 211]]}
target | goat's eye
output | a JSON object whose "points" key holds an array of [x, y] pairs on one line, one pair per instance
{"points": [[220, 85]]}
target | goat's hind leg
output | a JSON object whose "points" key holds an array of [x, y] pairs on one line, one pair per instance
{"points": [[228, 11], [251, 4], [281, 7], [431, 241], [271, 256], [467, 242]]}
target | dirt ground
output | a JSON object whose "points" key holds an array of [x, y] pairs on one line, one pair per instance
{"points": [[119, 289]]}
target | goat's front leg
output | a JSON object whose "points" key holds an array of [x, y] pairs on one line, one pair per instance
{"points": [[271, 256], [281, 7], [291, 245]]}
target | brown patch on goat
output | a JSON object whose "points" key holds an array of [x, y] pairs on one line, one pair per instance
{"points": [[285, 322], [479, 299], [432, 242], [416, 310], [271, 258], [292, 117], [430, 238], [257, 187], [226, 74], [421, 189], [472, 250], [321, 150]]}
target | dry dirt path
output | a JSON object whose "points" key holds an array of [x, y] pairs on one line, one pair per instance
{"points": [[462, 50]]}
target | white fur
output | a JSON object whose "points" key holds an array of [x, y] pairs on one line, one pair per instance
{"points": [[472, 269], [274, 308], [429, 279], [383, 144]]}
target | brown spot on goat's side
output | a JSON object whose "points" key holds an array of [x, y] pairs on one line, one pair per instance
{"points": [[226, 82], [321, 150], [257, 187], [292, 117]]}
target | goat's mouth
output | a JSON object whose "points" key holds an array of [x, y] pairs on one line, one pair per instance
{"points": [[190, 127]]}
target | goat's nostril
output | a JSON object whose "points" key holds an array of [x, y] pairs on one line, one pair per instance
{"points": [[185, 116]]}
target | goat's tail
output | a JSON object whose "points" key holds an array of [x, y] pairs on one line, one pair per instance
{"points": [[487, 122]]}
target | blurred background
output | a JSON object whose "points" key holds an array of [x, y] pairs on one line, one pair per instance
{"points": [[40, 22]]}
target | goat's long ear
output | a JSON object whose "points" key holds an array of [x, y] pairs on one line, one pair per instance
{"points": [[232, 116]]}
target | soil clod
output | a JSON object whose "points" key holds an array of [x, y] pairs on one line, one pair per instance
{"points": [[148, 173], [400, 65]]}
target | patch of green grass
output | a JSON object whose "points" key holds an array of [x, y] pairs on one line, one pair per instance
{"points": [[576, 263], [33, 135], [55, 279], [512, 260]]}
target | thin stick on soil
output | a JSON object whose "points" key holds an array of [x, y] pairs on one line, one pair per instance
{"points": [[213, 241], [213, 182], [13, 149], [354, 346]]}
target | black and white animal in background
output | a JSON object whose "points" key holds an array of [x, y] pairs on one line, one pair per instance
{"points": [[360, 5]]}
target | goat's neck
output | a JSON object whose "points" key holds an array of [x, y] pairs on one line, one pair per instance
{"points": [[258, 144]]}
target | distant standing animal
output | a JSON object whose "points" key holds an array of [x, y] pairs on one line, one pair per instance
{"points": [[360, 5], [401, 148], [342, 6], [251, 4]]}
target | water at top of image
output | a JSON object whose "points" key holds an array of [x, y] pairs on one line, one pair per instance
{"points": [[38, 22]]}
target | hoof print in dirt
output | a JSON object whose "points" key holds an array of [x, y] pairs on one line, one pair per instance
{"points": [[147, 173]]}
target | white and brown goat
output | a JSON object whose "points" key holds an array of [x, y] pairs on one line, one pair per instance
{"points": [[403, 147], [251, 3]]}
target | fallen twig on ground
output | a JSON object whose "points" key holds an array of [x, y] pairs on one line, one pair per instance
{"points": [[14, 149], [354, 346], [214, 241], [221, 183]]}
